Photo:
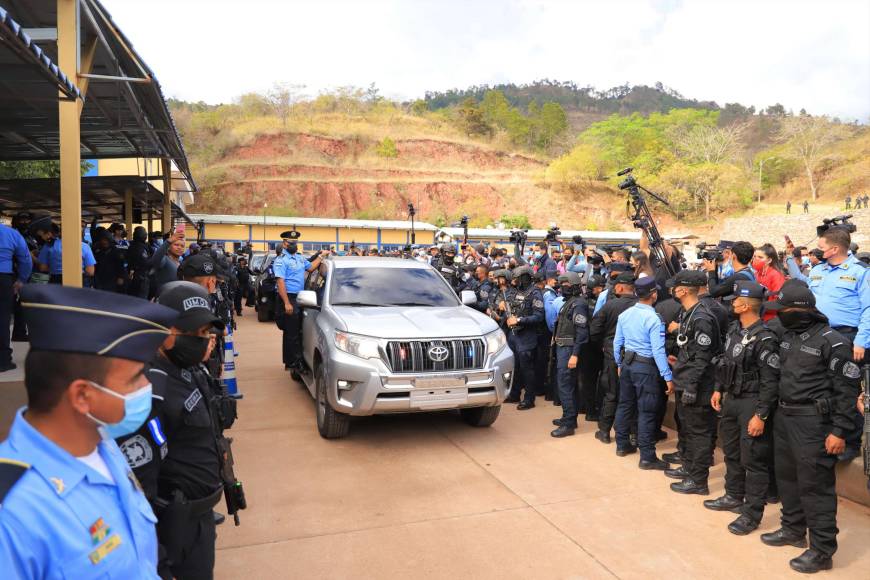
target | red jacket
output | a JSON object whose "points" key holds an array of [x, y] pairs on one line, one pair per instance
{"points": [[772, 279]]}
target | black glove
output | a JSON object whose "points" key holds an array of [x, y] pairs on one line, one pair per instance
{"points": [[689, 398]]}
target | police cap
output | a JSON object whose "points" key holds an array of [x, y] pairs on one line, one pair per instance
{"points": [[290, 235], [645, 286], [572, 278], [201, 264], [619, 267], [85, 321], [693, 278], [747, 289], [725, 244], [596, 281], [625, 278], [793, 294], [191, 302]]}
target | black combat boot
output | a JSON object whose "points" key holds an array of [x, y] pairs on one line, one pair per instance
{"points": [[811, 562], [726, 503], [742, 525], [563, 431], [783, 537], [687, 486], [677, 472]]}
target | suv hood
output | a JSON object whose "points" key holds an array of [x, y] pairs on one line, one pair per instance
{"points": [[415, 322]]}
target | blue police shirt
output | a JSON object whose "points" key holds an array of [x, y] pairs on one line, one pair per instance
{"points": [[599, 304], [552, 306], [51, 254], [292, 268], [13, 250], [63, 519], [640, 330], [843, 295], [725, 270]]}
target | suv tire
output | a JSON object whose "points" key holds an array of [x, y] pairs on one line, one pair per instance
{"points": [[480, 416], [330, 423]]}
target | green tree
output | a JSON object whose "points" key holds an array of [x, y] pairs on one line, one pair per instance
{"points": [[516, 221], [472, 121], [387, 148]]}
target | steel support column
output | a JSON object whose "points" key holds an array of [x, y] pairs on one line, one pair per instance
{"points": [[166, 221], [70, 146], [128, 211]]}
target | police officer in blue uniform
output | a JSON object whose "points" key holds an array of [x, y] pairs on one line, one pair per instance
{"points": [[527, 314], [69, 505], [641, 333], [570, 333], [15, 267], [841, 286], [290, 269]]}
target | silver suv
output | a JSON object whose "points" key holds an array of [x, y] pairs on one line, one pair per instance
{"points": [[386, 335]]}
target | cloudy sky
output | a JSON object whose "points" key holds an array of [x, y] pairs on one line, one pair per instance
{"points": [[810, 54]]}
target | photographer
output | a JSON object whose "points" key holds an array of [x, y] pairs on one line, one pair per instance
{"points": [[741, 258], [543, 262]]}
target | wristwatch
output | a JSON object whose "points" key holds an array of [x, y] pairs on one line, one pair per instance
{"points": [[760, 417]]}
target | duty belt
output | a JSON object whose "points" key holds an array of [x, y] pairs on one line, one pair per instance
{"points": [[633, 357], [817, 407], [195, 507]]}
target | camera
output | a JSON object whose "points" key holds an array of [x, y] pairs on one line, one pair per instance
{"points": [[463, 221], [840, 221], [579, 241], [553, 234], [627, 183], [709, 252], [519, 236]]}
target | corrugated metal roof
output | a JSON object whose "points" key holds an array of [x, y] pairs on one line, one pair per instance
{"points": [[311, 222]]}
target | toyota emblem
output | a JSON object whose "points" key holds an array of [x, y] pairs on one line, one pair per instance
{"points": [[438, 353]]}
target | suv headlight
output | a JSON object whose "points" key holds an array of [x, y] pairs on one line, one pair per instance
{"points": [[361, 346], [495, 341]]}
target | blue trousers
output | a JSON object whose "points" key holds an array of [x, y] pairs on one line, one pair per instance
{"points": [[566, 381], [639, 398]]}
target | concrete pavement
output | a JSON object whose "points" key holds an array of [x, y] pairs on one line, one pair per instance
{"points": [[429, 497]]}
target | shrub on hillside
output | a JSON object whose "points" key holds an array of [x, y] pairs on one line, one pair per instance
{"points": [[387, 148]]}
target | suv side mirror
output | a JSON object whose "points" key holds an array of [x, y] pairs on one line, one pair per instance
{"points": [[307, 299], [468, 297]]}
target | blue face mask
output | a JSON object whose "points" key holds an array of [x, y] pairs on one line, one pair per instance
{"points": [[806, 260], [538, 254], [137, 407]]}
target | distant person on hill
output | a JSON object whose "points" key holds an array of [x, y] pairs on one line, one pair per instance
{"points": [[806, 206], [866, 198], [788, 207], [849, 202]]}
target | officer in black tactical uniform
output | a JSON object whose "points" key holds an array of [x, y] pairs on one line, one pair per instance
{"points": [[698, 342], [569, 336], [500, 299], [482, 287], [179, 454], [817, 391], [21, 222], [138, 255], [747, 378], [445, 263], [602, 331], [592, 357], [526, 315]]}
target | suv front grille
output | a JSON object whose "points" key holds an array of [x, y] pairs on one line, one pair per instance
{"points": [[415, 356]]}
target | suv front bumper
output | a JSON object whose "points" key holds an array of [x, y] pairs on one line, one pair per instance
{"points": [[357, 386]]}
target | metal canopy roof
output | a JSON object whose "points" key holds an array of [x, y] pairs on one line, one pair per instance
{"points": [[311, 222], [124, 114], [103, 196], [29, 64]]}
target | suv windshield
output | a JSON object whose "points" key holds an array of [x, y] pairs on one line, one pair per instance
{"points": [[389, 287]]}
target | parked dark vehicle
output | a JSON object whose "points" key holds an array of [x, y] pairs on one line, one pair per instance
{"points": [[265, 287]]}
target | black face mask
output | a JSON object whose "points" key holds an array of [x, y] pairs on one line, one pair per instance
{"points": [[568, 291], [23, 229], [798, 319], [292, 247], [449, 259], [188, 350]]}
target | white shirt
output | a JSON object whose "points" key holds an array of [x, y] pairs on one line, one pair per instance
{"points": [[95, 461]]}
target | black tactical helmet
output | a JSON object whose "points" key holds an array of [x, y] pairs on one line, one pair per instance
{"points": [[448, 249], [572, 278]]}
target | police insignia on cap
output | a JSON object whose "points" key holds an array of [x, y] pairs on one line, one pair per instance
{"points": [[851, 370], [207, 267]]}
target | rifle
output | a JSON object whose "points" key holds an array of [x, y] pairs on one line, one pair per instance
{"points": [[643, 219], [464, 223], [507, 306], [224, 415]]}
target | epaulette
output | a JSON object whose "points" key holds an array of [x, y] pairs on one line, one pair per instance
{"points": [[10, 472]]}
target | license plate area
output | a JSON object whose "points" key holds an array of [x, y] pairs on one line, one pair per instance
{"points": [[439, 383], [430, 398]]}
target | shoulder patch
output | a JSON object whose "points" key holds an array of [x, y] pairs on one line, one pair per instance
{"points": [[579, 319], [703, 339], [191, 401], [773, 361], [834, 362], [185, 374], [538, 303], [156, 431], [137, 451], [811, 350], [851, 370], [11, 471]]}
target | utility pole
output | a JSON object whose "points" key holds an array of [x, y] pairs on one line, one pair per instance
{"points": [[265, 242], [412, 212]]}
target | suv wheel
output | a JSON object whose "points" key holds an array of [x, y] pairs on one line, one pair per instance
{"points": [[480, 416], [330, 423]]}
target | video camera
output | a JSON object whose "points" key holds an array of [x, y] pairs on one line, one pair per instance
{"points": [[463, 221], [579, 241], [710, 252], [553, 234], [840, 221], [519, 236]]}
